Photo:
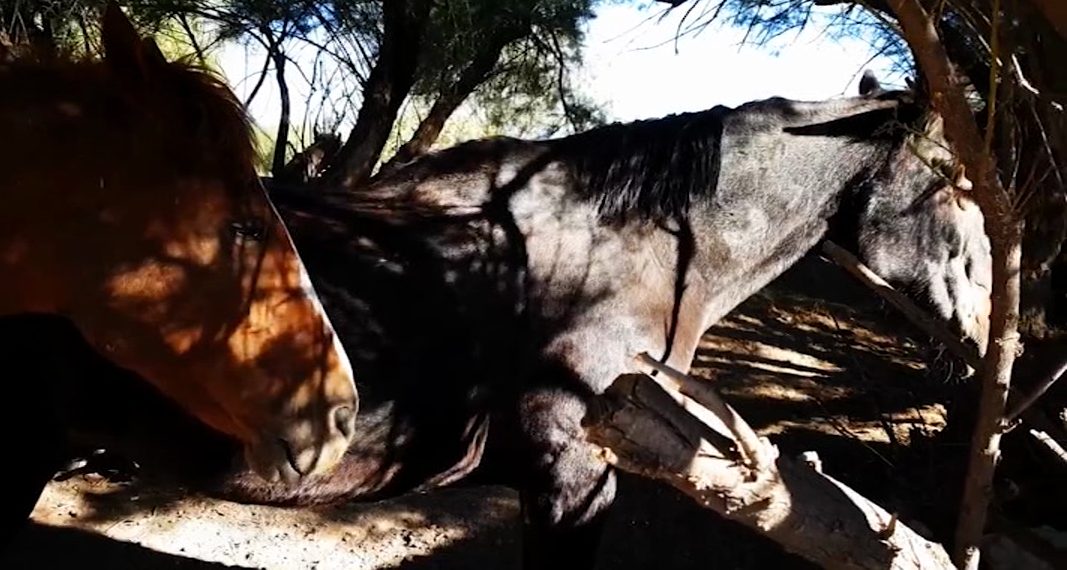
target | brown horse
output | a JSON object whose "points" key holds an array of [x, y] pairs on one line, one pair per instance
{"points": [[132, 208]]}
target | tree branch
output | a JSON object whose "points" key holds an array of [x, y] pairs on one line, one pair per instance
{"points": [[476, 72], [913, 312], [259, 82]]}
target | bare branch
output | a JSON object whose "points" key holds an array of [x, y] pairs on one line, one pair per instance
{"points": [[188, 29], [1050, 444], [259, 82], [1038, 391]]}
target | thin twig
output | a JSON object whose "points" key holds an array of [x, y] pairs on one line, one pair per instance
{"points": [[259, 82], [1032, 397], [916, 315], [1050, 443], [994, 72]]}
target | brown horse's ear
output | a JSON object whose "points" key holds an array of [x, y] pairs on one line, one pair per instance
{"points": [[153, 55], [124, 50]]}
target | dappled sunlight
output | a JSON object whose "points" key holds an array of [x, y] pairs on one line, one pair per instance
{"points": [[798, 363], [926, 421], [134, 210], [366, 536]]}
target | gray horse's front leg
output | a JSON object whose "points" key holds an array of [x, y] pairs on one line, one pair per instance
{"points": [[565, 489]]}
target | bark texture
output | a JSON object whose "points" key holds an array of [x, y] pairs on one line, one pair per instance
{"points": [[700, 446], [389, 83]]}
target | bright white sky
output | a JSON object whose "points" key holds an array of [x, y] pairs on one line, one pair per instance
{"points": [[640, 74], [635, 70]]}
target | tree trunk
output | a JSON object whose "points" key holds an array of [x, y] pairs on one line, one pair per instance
{"points": [[281, 139], [452, 97], [388, 84], [675, 429], [1005, 235]]}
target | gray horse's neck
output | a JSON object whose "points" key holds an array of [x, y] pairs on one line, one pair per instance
{"points": [[774, 201]]}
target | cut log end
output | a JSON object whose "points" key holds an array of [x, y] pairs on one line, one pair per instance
{"points": [[654, 431]]}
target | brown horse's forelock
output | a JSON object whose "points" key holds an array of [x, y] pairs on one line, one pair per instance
{"points": [[220, 125], [194, 114], [190, 121]]}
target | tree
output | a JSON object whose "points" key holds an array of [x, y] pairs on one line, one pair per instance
{"points": [[444, 54], [403, 25], [369, 57], [49, 25], [538, 40]]}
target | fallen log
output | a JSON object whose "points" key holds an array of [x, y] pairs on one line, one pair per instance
{"points": [[675, 429]]}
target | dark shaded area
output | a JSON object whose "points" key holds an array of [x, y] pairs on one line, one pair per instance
{"points": [[40, 546], [654, 526]]}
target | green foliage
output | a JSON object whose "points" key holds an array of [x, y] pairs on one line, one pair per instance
{"points": [[529, 89], [536, 97], [460, 29], [529, 92], [67, 26], [73, 26]]}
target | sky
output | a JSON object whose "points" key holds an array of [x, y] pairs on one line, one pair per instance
{"points": [[635, 70], [634, 65]]}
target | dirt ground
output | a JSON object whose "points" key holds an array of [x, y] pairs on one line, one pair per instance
{"points": [[815, 362]]}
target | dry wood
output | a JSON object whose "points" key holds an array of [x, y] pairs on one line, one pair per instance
{"points": [[703, 395], [644, 429], [1038, 391], [1050, 444]]}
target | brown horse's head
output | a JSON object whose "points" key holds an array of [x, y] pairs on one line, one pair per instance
{"points": [[132, 206]]}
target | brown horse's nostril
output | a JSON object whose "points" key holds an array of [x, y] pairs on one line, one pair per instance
{"points": [[344, 417], [291, 456]]}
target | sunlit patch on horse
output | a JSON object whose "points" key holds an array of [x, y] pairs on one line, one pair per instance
{"points": [[122, 178]]}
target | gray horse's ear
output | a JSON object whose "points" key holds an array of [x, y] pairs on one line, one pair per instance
{"points": [[869, 83]]}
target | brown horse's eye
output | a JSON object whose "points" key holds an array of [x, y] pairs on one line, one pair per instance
{"points": [[253, 230]]}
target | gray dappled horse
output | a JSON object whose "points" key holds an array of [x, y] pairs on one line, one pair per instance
{"points": [[484, 292]]}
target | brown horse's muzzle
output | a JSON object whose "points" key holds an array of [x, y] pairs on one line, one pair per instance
{"points": [[309, 447]]}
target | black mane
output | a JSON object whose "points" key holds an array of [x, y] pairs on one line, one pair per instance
{"points": [[651, 168]]}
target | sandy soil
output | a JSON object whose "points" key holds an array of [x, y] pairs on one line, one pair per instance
{"points": [[815, 362]]}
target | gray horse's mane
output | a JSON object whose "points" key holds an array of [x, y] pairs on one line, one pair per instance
{"points": [[654, 169]]}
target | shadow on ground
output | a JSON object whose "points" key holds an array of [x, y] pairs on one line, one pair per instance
{"points": [[40, 546]]}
